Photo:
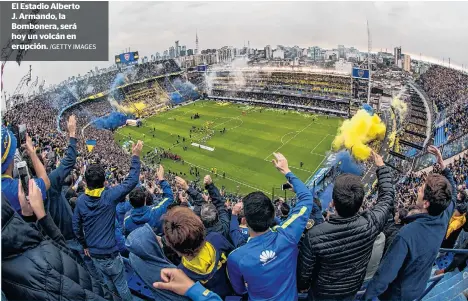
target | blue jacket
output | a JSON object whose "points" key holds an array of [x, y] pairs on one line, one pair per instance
{"points": [[406, 267], [94, 216], [209, 265], [147, 260], [256, 267], [137, 217], [120, 239], [121, 209], [56, 203]]}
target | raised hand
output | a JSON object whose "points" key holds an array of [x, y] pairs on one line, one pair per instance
{"points": [[136, 149], [71, 126], [436, 153], [35, 200], [237, 208], [378, 161], [29, 145], [281, 163], [181, 183], [160, 172]]}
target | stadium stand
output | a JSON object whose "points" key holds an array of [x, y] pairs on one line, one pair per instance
{"points": [[81, 212]]}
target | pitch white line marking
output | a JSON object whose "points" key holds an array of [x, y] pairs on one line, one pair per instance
{"points": [[312, 151], [298, 132]]}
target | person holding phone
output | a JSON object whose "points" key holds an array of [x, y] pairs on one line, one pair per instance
{"points": [[10, 184]]}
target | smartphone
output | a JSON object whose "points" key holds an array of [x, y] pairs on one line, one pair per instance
{"points": [[286, 186], [22, 134], [23, 174]]}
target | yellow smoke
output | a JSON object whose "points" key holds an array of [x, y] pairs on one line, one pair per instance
{"points": [[137, 108], [399, 106], [391, 139], [355, 133]]}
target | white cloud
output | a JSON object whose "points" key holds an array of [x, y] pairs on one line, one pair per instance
{"points": [[435, 29]]}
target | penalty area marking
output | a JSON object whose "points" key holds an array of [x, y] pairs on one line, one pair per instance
{"points": [[312, 151], [297, 133]]}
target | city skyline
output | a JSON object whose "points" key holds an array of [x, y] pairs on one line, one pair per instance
{"points": [[433, 29]]}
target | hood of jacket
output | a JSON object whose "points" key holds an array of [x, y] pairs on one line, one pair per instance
{"points": [[204, 264], [140, 215], [93, 196], [144, 243], [423, 218], [17, 235]]}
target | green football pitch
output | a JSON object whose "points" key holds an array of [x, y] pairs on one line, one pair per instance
{"points": [[244, 151]]}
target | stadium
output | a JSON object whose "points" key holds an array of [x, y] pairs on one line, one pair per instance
{"points": [[230, 126]]}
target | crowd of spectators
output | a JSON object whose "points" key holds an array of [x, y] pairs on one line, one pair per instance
{"points": [[284, 101], [82, 212], [447, 88], [175, 235]]}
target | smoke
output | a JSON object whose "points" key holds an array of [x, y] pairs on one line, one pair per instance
{"points": [[355, 133], [400, 107], [347, 164], [186, 90], [176, 98], [111, 121]]}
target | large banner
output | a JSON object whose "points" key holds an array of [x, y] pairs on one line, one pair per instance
{"points": [[360, 73], [128, 58]]}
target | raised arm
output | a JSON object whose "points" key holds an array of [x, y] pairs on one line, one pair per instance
{"points": [[385, 201], [37, 164], [448, 174], [168, 198], [196, 196], [218, 201], [68, 162], [294, 225], [234, 231], [118, 192], [45, 221]]}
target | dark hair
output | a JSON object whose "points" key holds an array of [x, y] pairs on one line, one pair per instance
{"points": [[284, 208], [348, 194], [72, 203], [184, 230], [438, 192], [137, 197], [259, 211], [95, 176]]}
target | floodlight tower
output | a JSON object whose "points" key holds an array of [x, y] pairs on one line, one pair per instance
{"points": [[369, 60]]}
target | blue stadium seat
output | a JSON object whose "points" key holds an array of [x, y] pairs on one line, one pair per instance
{"points": [[135, 284], [444, 260], [449, 280], [451, 290]]}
